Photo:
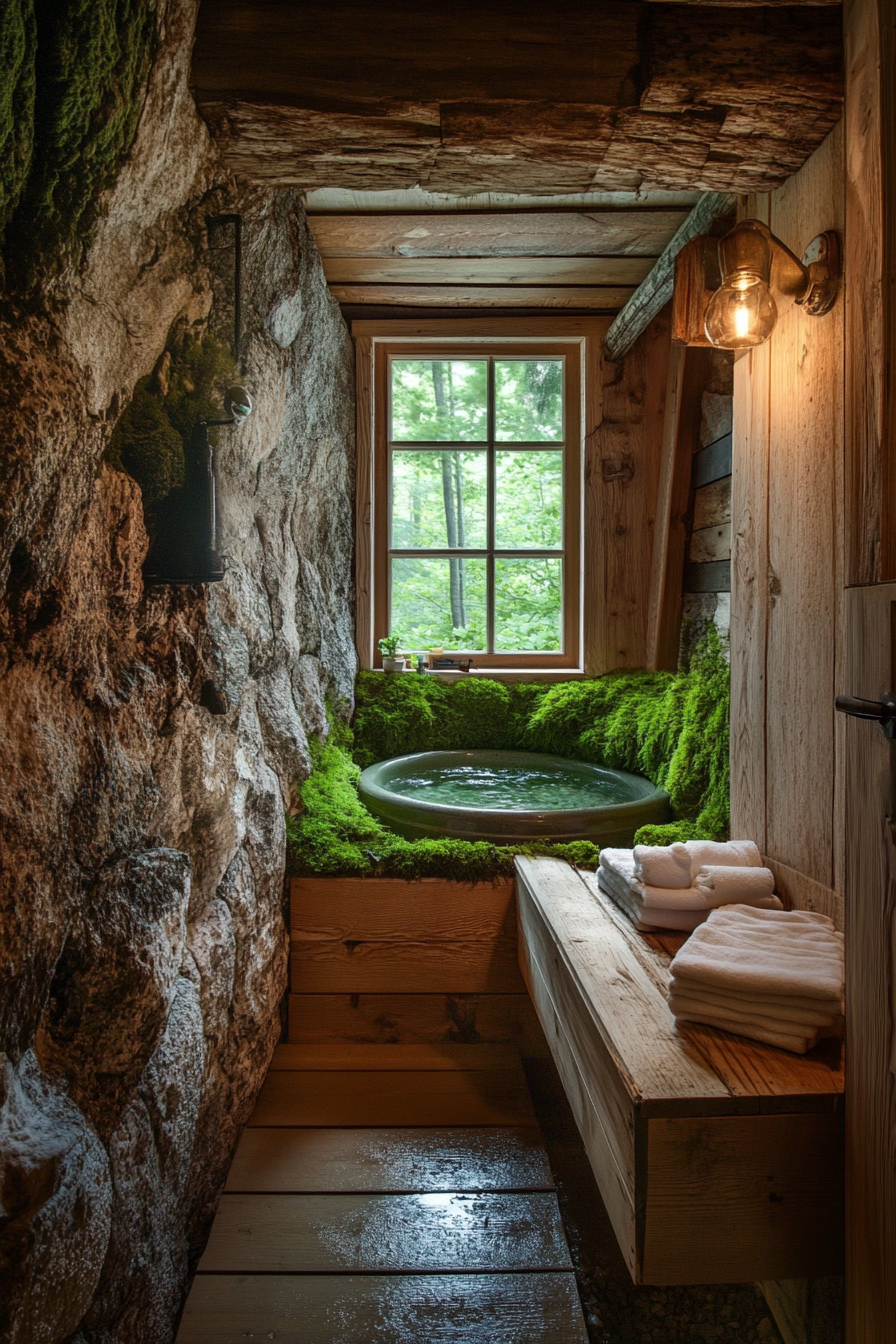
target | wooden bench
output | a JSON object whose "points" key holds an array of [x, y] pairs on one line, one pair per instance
{"points": [[719, 1159]]}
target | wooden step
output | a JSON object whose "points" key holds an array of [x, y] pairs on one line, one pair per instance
{"points": [[532, 1308], [389, 1160], [419, 1058], [322, 1098], [448, 1232]]}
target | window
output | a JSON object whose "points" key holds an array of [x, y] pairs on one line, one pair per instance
{"points": [[475, 532]]}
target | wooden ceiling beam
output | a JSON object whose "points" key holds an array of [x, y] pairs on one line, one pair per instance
{"points": [[487, 270], [656, 290], [613, 95], [596, 298], [595, 233]]}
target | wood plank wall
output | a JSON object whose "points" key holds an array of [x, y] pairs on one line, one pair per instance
{"points": [[787, 566]]}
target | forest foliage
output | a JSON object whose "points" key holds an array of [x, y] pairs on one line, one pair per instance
{"points": [[457, 493]]}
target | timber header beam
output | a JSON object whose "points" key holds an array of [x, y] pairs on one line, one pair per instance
{"points": [[655, 291], [618, 95]]}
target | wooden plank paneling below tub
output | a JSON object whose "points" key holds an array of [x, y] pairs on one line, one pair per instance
{"points": [[388, 936]]}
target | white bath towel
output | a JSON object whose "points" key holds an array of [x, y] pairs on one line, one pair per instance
{"points": [[730, 853], [797, 1045], [663, 865], [811, 1012], [615, 879], [733, 886], [745, 950], [683, 1005], [646, 920]]}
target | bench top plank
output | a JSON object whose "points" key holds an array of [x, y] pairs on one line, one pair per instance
{"points": [[624, 975]]}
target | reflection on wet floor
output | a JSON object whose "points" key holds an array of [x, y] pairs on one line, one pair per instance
{"points": [[349, 1234]]}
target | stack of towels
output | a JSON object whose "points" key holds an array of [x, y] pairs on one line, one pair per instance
{"points": [[775, 976], [676, 886]]}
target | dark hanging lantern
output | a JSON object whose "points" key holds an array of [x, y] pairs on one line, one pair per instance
{"points": [[185, 547]]}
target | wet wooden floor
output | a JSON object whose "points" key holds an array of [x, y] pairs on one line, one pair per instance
{"points": [[393, 1193]]}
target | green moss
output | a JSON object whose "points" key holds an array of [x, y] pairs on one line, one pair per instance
{"points": [[148, 440], [398, 714], [93, 57], [671, 727], [18, 52], [336, 835]]}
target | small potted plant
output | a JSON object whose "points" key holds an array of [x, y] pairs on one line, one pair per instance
{"points": [[392, 660]]}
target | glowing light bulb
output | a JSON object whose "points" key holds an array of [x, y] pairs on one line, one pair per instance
{"points": [[741, 313], [741, 321]]}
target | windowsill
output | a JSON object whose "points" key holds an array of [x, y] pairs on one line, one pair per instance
{"points": [[498, 673]]}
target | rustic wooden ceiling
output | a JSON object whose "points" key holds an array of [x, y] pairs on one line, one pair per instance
{"points": [[626, 109], [497, 95], [591, 259]]}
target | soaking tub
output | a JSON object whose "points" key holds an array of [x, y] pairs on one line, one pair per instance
{"points": [[507, 796]]}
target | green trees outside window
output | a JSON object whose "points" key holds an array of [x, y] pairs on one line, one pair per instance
{"points": [[477, 490]]}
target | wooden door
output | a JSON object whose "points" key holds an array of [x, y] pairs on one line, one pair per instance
{"points": [[869, 669], [870, 779]]}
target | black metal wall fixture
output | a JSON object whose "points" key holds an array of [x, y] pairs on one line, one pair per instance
{"points": [[185, 546]]}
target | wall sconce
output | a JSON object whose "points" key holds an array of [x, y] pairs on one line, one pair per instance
{"points": [[185, 546], [729, 291]]}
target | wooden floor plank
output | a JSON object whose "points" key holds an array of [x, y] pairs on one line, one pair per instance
{"points": [[389, 1160], [437, 1309], [405, 1057], [458, 1097], [425, 1233]]}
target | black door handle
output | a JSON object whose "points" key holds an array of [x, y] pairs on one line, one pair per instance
{"points": [[880, 711]]}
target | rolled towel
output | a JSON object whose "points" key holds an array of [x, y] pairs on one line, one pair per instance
{"points": [[812, 1012], [730, 853], [733, 886], [663, 865], [796, 1044]]}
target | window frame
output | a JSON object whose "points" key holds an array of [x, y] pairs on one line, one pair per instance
{"points": [[578, 341]]}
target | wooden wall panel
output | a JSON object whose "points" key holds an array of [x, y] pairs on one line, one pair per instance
{"points": [[749, 594], [805, 444], [787, 559], [622, 472], [866, 263]]}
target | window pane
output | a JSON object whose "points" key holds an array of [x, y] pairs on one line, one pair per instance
{"points": [[528, 605], [437, 602], [439, 400], [529, 400], [528, 499], [439, 499]]}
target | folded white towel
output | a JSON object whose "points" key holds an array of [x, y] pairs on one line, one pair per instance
{"points": [[745, 950], [730, 853], [733, 886], [812, 1012], [621, 894], [663, 865], [683, 1005], [681, 909], [797, 1045]]}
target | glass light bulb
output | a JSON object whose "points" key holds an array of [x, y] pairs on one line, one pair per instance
{"points": [[741, 313]]}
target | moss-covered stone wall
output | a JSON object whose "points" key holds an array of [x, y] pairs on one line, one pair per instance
{"points": [[72, 83]]}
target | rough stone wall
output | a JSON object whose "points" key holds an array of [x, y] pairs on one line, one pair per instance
{"points": [[150, 739]]}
